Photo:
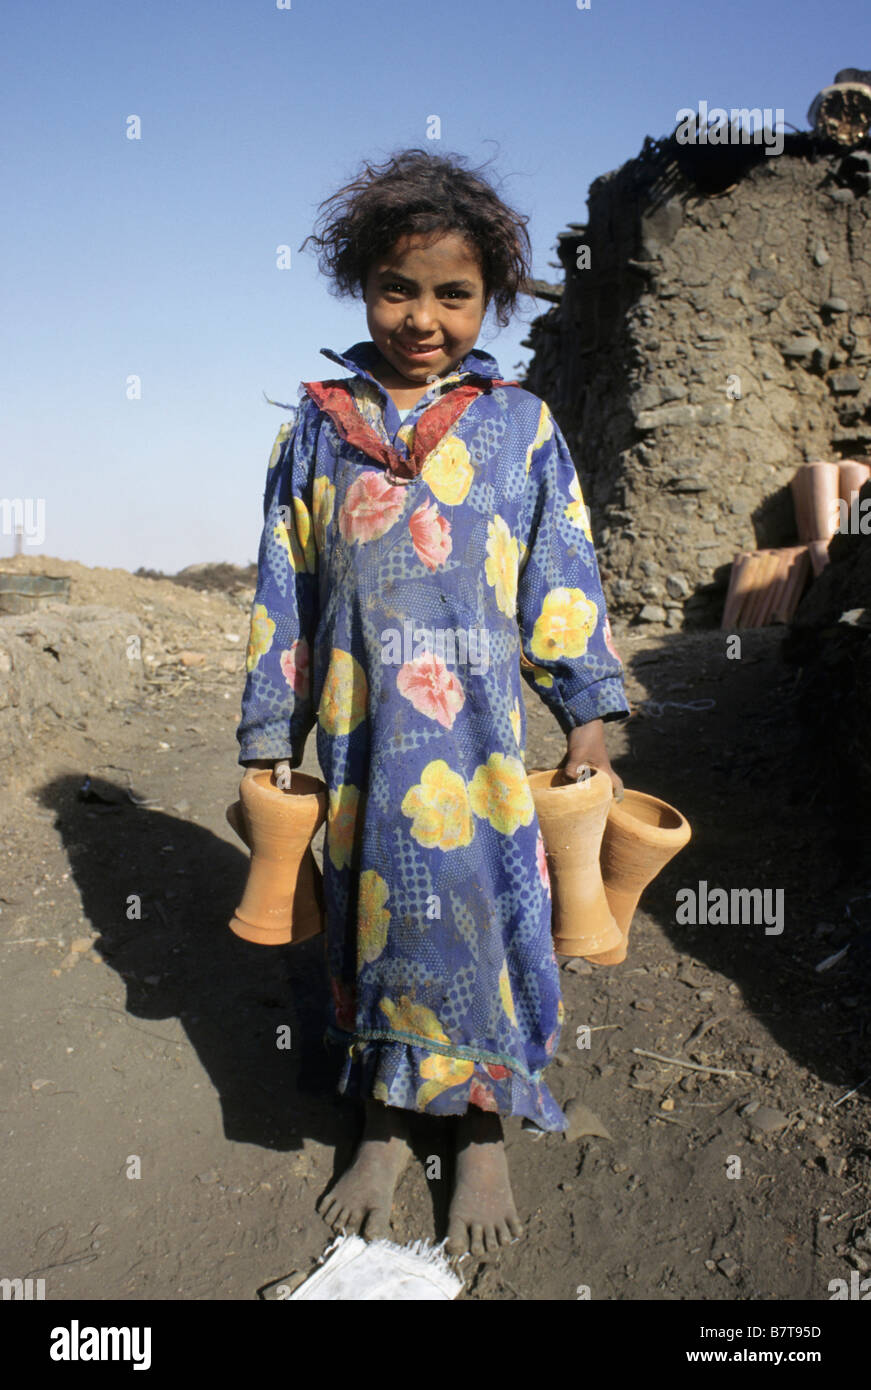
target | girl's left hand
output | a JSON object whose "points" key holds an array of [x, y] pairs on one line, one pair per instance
{"points": [[586, 744]]}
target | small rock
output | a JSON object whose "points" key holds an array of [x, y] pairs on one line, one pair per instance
{"points": [[578, 967], [652, 613], [208, 1177], [644, 1006], [279, 1290], [667, 1104], [750, 1108], [836, 305], [42, 1081], [835, 1165], [182, 807], [767, 1120], [800, 347], [844, 383], [80, 944], [188, 658], [583, 1121], [688, 976], [728, 1266], [821, 255], [842, 195], [709, 1264], [677, 586], [705, 996]]}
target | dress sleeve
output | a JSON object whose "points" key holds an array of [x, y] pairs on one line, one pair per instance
{"points": [[277, 713], [567, 655]]}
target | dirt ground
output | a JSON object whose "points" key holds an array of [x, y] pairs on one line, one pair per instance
{"points": [[154, 1039]]}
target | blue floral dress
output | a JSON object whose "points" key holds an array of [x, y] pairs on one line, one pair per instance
{"points": [[410, 572]]}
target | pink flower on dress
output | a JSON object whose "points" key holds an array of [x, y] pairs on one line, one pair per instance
{"points": [[430, 535], [370, 508], [481, 1095], [541, 860], [431, 688], [609, 641], [497, 1072], [295, 666]]}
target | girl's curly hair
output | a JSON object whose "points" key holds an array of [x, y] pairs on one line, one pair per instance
{"points": [[414, 192]]}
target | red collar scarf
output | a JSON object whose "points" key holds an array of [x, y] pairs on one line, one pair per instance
{"points": [[336, 399]]}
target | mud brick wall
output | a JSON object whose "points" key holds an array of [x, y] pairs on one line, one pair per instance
{"points": [[709, 264]]}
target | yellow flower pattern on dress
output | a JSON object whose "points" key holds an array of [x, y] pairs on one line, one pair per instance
{"points": [[407, 1017], [500, 566], [345, 694], [576, 511], [373, 919], [439, 808], [261, 633], [505, 994], [448, 471], [283, 433], [542, 434], [564, 626], [514, 716], [499, 792], [296, 537], [441, 1073], [323, 506], [342, 823]]}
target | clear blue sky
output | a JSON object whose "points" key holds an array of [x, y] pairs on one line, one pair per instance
{"points": [[157, 257]]}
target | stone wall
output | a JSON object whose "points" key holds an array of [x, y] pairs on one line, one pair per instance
{"points": [[720, 338]]}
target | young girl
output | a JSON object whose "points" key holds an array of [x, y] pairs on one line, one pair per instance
{"points": [[425, 544]]}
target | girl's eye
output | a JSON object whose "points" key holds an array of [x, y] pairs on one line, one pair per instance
{"points": [[395, 288]]}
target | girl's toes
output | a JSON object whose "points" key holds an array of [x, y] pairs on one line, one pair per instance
{"points": [[458, 1237], [514, 1227], [504, 1234], [377, 1225], [477, 1245], [491, 1239]]}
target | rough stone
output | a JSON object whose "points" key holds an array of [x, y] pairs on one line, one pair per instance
{"points": [[733, 351]]}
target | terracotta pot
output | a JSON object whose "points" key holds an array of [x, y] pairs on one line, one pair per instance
{"points": [[853, 477], [283, 899], [798, 571], [763, 575], [815, 495], [738, 589], [641, 836], [572, 817], [819, 556]]}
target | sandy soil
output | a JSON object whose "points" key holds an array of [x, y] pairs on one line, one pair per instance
{"points": [[154, 1039]]}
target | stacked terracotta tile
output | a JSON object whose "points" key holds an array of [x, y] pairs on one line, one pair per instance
{"points": [[766, 586]]}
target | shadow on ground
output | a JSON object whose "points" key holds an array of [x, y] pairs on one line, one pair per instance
{"points": [[738, 772]]}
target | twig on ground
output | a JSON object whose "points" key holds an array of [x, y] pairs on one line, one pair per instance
{"points": [[692, 1066]]}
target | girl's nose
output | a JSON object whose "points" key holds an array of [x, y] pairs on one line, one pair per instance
{"points": [[420, 316]]}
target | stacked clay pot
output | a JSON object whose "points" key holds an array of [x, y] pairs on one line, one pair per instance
{"points": [[283, 899], [572, 818], [641, 836], [601, 855]]}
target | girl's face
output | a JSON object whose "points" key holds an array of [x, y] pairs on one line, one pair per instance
{"points": [[425, 305]]}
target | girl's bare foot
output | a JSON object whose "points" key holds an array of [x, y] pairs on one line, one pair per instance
{"points": [[483, 1214], [364, 1195]]}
